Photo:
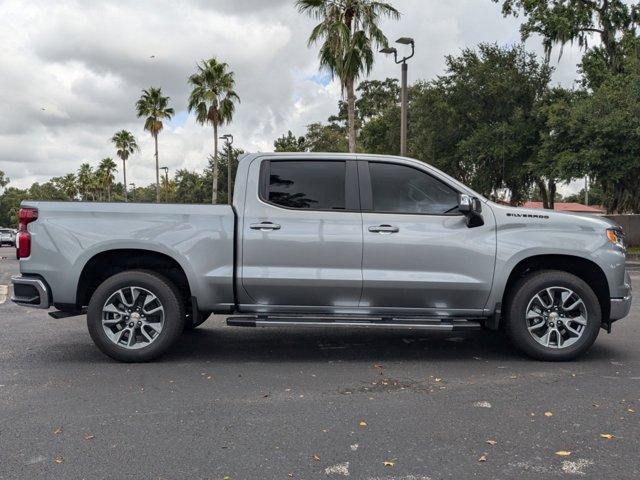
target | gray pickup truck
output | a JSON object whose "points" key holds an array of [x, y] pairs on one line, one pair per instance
{"points": [[330, 240]]}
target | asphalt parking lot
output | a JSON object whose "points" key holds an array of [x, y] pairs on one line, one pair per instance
{"points": [[242, 403]]}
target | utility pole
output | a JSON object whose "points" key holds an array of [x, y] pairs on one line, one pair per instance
{"points": [[228, 138], [404, 95], [166, 183]]}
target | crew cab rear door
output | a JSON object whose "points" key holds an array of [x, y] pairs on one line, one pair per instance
{"points": [[419, 255], [302, 235]]}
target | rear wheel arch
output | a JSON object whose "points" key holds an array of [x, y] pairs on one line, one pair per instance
{"points": [[111, 262], [581, 267]]}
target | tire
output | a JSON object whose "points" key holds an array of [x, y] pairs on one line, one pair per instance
{"points": [[161, 327], [202, 317], [573, 332]]}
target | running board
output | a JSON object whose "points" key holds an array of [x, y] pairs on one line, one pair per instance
{"points": [[447, 325]]}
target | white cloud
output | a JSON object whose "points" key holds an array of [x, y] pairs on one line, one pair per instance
{"points": [[71, 72]]}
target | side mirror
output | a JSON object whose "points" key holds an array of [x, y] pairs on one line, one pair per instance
{"points": [[471, 207]]}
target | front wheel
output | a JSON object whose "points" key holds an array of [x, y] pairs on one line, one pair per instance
{"points": [[553, 316], [135, 316]]}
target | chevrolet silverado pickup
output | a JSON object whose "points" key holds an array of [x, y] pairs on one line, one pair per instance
{"points": [[325, 240]]}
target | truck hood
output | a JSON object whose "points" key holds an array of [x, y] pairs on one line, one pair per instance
{"points": [[509, 215]]}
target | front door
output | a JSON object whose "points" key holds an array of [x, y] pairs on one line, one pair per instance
{"points": [[302, 235], [419, 255]]}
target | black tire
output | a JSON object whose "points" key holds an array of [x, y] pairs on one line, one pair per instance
{"points": [[516, 324], [202, 317], [167, 294]]}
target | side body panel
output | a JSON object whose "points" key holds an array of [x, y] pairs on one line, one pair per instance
{"points": [[524, 233], [199, 237]]}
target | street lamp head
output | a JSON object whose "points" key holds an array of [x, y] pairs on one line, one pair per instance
{"points": [[389, 50], [405, 41]]}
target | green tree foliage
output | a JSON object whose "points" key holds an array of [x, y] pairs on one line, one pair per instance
{"points": [[560, 22], [4, 180], [289, 143], [326, 138], [155, 108], [349, 33]]}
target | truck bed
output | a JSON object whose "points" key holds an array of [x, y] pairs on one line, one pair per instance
{"points": [[200, 238]]}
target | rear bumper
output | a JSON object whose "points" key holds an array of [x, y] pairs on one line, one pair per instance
{"points": [[30, 292]]}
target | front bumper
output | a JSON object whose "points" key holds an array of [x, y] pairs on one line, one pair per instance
{"points": [[30, 292], [619, 308]]}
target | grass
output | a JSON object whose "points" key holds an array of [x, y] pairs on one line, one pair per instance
{"points": [[633, 250]]}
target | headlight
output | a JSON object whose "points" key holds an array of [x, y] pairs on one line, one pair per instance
{"points": [[615, 236]]}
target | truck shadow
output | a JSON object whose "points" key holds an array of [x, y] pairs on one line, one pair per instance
{"points": [[228, 344]]}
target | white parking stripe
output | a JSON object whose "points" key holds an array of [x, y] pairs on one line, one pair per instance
{"points": [[3, 293]]}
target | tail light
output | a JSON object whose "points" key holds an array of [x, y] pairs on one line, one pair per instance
{"points": [[23, 239]]}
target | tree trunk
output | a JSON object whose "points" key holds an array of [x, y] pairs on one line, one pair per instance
{"points": [[351, 114], [552, 194], [543, 193], [155, 138], [124, 171], [214, 174]]}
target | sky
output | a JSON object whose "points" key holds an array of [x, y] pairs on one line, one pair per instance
{"points": [[71, 72]]}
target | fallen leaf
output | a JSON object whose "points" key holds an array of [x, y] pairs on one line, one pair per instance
{"points": [[58, 459], [491, 442], [316, 458], [631, 410], [377, 365], [389, 463], [57, 431], [362, 423], [482, 404], [438, 379], [563, 453], [608, 436], [548, 414], [89, 436], [265, 395], [483, 458]]}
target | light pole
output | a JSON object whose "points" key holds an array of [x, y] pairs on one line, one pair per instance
{"points": [[166, 183], [228, 138], [133, 192], [404, 96]]}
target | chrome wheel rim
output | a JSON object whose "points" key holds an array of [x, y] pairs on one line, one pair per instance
{"points": [[133, 317], [556, 317]]}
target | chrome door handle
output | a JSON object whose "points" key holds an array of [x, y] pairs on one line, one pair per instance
{"points": [[384, 229], [264, 226]]}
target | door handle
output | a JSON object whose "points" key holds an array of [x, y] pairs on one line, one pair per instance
{"points": [[384, 229], [264, 226]]}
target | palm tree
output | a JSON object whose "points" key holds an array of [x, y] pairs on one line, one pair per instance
{"points": [[85, 179], [212, 98], [349, 31], [126, 145], [155, 107], [69, 185], [105, 175]]}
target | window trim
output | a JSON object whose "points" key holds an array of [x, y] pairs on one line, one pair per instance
{"points": [[351, 188], [366, 190]]}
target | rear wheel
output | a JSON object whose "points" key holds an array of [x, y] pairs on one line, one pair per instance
{"points": [[135, 316], [553, 315]]}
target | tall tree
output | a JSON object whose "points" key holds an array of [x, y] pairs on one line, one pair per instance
{"points": [[566, 21], [84, 180], [349, 32], [105, 176], [155, 107], [213, 99], [66, 184], [126, 145]]}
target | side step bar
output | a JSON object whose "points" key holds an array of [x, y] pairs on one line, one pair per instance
{"points": [[446, 325]]}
